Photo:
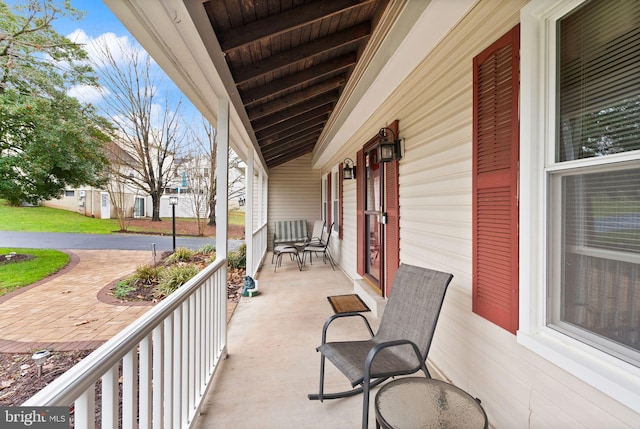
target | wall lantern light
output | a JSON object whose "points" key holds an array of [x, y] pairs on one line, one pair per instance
{"points": [[349, 169], [388, 150]]}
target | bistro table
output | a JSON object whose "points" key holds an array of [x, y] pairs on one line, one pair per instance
{"points": [[416, 402]]}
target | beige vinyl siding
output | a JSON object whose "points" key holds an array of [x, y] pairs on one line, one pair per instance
{"points": [[344, 251], [294, 193], [518, 388]]}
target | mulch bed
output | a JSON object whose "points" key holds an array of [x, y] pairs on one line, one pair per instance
{"points": [[18, 374], [14, 257]]}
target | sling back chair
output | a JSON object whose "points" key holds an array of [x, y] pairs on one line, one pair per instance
{"points": [[319, 247], [317, 235], [403, 339]]}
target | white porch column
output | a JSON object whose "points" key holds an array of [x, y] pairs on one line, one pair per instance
{"points": [[262, 197], [248, 214], [222, 178]]}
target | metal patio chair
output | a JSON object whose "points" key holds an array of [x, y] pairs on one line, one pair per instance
{"points": [[403, 339], [319, 247], [317, 234]]}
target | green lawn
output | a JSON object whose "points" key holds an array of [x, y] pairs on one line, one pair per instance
{"points": [[46, 219], [16, 275]]}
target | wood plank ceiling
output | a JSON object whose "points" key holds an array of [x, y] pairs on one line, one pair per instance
{"points": [[290, 60]]}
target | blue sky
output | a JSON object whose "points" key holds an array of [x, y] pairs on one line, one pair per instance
{"points": [[98, 19], [99, 23]]}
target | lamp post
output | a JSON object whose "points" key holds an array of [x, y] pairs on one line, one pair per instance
{"points": [[173, 201]]}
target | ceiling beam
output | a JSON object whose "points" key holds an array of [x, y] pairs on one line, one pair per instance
{"points": [[285, 22], [283, 115], [288, 156], [270, 145], [300, 126], [303, 52], [296, 97], [273, 88], [322, 111], [285, 146]]}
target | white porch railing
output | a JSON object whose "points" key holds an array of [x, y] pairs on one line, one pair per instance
{"points": [[167, 357], [259, 249]]}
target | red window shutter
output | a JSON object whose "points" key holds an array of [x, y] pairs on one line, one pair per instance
{"points": [[392, 228], [340, 210], [329, 203], [360, 186], [495, 181]]}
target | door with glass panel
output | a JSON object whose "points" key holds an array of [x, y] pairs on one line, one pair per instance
{"points": [[374, 255]]}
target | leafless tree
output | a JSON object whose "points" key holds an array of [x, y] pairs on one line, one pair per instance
{"points": [[120, 192], [149, 132], [196, 168], [206, 148]]}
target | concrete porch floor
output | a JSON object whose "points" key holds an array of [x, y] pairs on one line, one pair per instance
{"points": [[272, 363]]}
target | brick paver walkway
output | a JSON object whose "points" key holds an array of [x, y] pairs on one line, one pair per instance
{"points": [[63, 312]]}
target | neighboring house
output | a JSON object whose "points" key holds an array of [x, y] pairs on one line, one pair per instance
{"points": [[190, 177], [98, 203], [191, 184], [519, 173]]}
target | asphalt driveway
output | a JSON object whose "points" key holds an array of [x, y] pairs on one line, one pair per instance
{"points": [[55, 240]]}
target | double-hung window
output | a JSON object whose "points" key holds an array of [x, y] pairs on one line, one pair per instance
{"points": [[580, 190], [335, 196]]}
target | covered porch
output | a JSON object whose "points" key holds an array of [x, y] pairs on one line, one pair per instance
{"points": [[272, 364], [419, 70]]}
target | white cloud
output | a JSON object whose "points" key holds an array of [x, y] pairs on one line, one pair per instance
{"points": [[88, 94], [120, 46]]}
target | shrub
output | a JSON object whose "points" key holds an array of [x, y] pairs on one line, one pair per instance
{"points": [[182, 254], [207, 249], [145, 273], [123, 288], [238, 259], [171, 278]]}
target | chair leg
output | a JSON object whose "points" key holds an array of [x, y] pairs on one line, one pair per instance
{"points": [[365, 404], [328, 256], [278, 261], [321, 391], [346, 393]]}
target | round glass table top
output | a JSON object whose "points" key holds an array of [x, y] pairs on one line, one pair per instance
{"points": [[415, 402]]}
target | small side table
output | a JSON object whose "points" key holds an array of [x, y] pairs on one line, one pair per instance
{"points": [[416, 402]]}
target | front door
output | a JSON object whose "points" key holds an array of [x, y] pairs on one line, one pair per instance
{"points": [[374, 255], [139, 208], [105, 206], [377, 216]]}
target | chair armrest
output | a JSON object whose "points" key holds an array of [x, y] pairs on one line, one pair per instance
{"points": [[381, 346], [341, 315]]}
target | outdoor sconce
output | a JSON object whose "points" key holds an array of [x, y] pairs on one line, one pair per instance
{"points": [[388, 150], [349, 169], [241, 201], [39, 358]]}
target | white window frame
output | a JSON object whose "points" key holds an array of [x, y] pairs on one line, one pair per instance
{"points": [[613, 376], [325, 198], [335, 201]]}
